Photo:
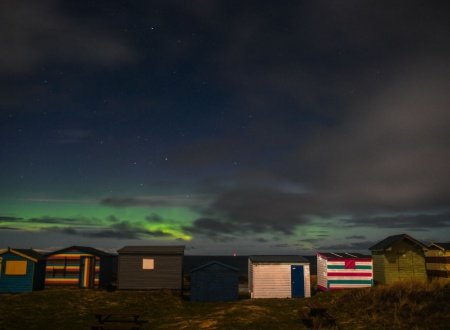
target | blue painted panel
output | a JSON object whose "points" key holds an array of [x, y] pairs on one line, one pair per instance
{"points": [[298, 281], [214, 283], [16, 283]]}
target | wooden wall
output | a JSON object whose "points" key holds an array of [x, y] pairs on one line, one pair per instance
{"points": [[64, 269], [438, 263], [404, 261], [167, 272], [214, 283], [273, 280], [16, 283]]}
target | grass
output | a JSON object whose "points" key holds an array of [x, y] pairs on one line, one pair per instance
{"points": [[402, 306]]}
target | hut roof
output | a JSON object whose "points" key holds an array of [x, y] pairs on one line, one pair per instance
{"points": [[343, 255], [215, 263], [278, 258], [147, 249], [86, 249], [442, 246], [389, 241], [26, 253]]}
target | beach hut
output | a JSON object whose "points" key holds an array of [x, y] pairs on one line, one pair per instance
{"points": [[21, 270], [343, 271], [398, 258], [278, 276], [437, 259], [214, 281], [80, 266], [150, 267]]}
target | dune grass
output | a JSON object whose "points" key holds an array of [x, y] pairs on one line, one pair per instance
{"points": [[402, 306]]}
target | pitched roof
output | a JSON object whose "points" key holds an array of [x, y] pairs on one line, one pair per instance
{"points": [[86, 249], [442, 246], [344, 255], [389, 241], [214, 263], [148, 249], [26, 253], [278, 258]]}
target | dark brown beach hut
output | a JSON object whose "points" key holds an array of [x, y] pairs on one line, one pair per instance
{"points": [[150, 267]]}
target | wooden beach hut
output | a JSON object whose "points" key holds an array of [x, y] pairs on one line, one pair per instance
{"points": [[437, 260], [343, 271], [80, 266], [398, 258], [21, 270], [214, 281], [285, 276], [150, 267]]}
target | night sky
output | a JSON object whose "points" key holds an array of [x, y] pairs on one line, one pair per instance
{"points": [[226, 126]]}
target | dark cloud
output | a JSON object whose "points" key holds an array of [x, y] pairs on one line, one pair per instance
{"points": [[353, 246], [153, 201], [411, 222], [356, 237], [127, 230], [37, 32], [7, 228], [81, 221], [9, 219], [62, 230], [154, 218], [261, 240]]}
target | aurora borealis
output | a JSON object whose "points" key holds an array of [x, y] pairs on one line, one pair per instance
{"points": [[248, 127]]}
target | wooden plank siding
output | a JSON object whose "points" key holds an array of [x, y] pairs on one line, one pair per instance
{"points": [[167, 272], [64, 269], [403, 261], [25, 273], [343, 271], [214, 282], [273, 280], [438, 263]]}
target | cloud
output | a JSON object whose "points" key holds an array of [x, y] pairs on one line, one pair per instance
{"points": [[411, 222], [7, 228], [154, 201], [127, 230], [37, 32], [388, 153], [62, 230], [154, 218], [356, 237], [353, 246], [9, 219], [81, 221]]}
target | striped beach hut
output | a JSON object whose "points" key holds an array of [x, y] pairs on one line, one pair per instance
{"points": [[284, 276], [341, 270], [437, 259], [80, 266], [21, 270]]}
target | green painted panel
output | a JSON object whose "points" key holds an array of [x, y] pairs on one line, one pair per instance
{"points": [[343, 267]]}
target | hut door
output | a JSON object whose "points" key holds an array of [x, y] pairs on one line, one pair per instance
{"points": [[87, 272], [297, 281]]}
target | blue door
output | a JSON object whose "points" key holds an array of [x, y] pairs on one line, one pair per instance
{"points": [[297, 281]]}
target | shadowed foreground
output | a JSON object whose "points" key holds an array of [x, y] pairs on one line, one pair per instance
{"points": [[403, 306]]}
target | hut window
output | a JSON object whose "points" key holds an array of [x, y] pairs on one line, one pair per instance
{"points": [[148, 263], [16, 268]]}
